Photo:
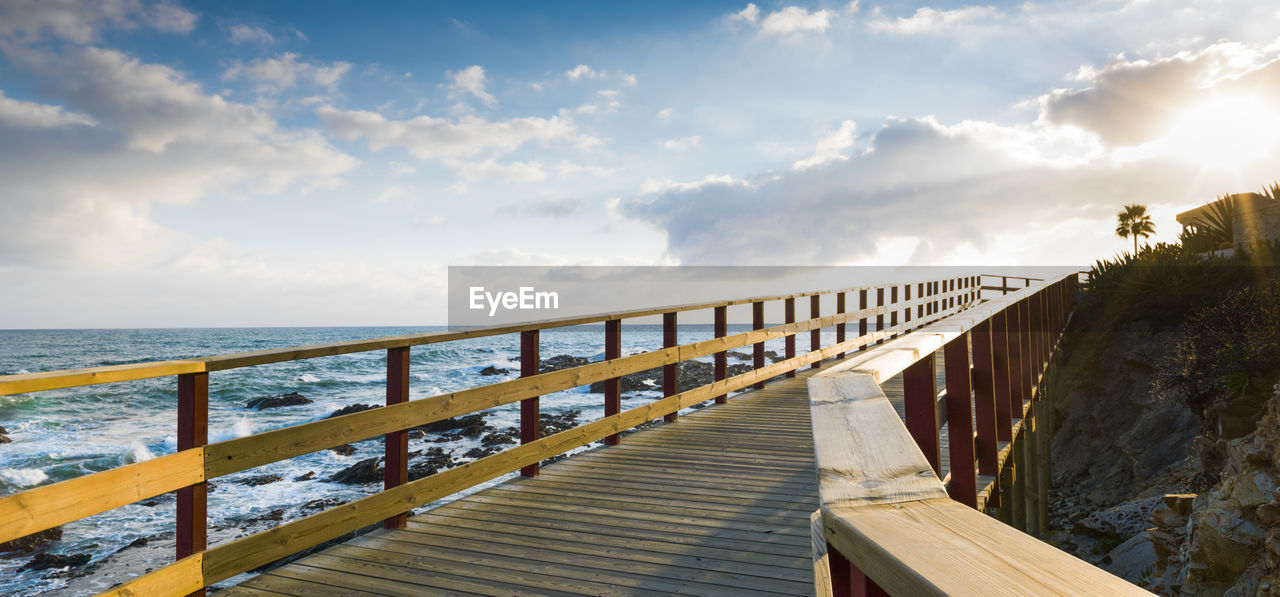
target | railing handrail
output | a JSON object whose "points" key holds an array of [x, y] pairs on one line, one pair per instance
{"points": [[69, 378], [886, 516], [47, 506]]}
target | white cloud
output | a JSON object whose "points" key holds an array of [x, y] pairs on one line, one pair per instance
{"points": [[471, 80], [750, 14], [651, 186], [19, 113], [629, 81], [666, 113], [931, 20], [792, 20], [566, 169], [434, 138], [401, 169], [829, 146], [250, 34], [393, 193], [491, 169], [682, 143], [852, 7], [608, 93], [82, 22], [287, 70], [581, 71]]}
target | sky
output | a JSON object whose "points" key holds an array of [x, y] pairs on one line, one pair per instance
{"points": [[190, 164]]}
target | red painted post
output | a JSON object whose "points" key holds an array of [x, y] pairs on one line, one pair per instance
{"points": [[984, 407], [1028, 348], [893, 300], [1017, 364], [612, 387], [193, 432], [722, 358], [964, 481], [906, 297], [862, 323], [847, 580], [670, 373], [396, 444], [757, 323], [789, 313], [1004, 284], [880, 314], [920, 400], [815, 335], [840, 326], [530, 426], [1001, 381]]}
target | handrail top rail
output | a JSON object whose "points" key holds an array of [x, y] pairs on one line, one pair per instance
{"points": [[68, 378]]}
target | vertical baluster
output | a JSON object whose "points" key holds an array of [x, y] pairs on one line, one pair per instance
{"points": [[984, 407], [880, 314], [920, 401], [757, 349], [847, 580], [530, 426], [722, 358], [840, 326], [815, 335], [789, 343], [671, 372], [1013, 331], [612, 387], [862, 321], [893, 300], [1004, 284], [1001, 380], [964, 483], [193, 432], [906, 308], [396, 444]]}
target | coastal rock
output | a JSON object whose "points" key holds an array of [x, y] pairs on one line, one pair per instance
{"points": [[550, 424], [466, 426], [260, 480], [307, 477], [323, 503], [354, 408], [45, 561], [498, 438], [491, 370], [562, 361], [1123, 520], [343, 450], [1133, 559], [33, 541], [478, 453], [689, 375], [366, 471], [272, 516], [429, 462], [4, 436], [278, 401]]}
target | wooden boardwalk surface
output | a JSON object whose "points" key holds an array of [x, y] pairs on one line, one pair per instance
{"points": [[717, 503]]}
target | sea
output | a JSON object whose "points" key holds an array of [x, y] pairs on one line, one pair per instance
{"points": [[62, 434]]}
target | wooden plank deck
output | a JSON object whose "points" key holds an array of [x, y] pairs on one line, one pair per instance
{"points": [[717, 503]]}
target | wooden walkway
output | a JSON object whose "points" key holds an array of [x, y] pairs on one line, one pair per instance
{"points": [[717, 503]]}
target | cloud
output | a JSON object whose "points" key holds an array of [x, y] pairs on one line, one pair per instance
{"points": [[401, 169], [287, 70], [241, 34], [1129, 102], [931, 20], [430, 138], [796, 20], [393, 193], [82, 22], [470, 81], [566, 169], [629, 81], [19, 113], [750, 14], [666, 113], [829, 146], [553, 208], [491, 169], [683, 143], [580, 72], [665, 185]]}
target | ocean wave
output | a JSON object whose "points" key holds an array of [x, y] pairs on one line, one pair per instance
{"points": [[138, 453], [23, 477], [241, 428], [20, 372], [307, 378]]}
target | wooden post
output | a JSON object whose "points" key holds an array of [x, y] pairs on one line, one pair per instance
{"points": [[880, 314], [396, 444], [530, 426], [1001, 380], [984, 408], [840, 326], [670, 373], [1013, 331], [722, 358], [815, 335], [964, 482], [920, 401], [1004, 284], [1032, 493], [1018, 497], [613, 387], [789, 313], [906, 309], [847, 580], [862, 323], [193, 432], [757, 323]]}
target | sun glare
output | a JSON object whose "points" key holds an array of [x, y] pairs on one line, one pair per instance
{"points": [[1224, 132]]}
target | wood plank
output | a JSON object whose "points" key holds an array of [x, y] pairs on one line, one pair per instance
{"points": [[48, 506], [291, 583], [442, 577], [71, 378], [656, 498], [652, 510]]}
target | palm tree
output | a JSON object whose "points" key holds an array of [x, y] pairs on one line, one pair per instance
{"points": [[1135, 222]]}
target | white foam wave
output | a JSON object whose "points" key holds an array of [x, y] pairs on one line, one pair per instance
{"points": [[307, 378], [21, 372], [23, 477], [240, 429], [138, 453]]}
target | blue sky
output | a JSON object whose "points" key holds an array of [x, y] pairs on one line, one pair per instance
{"points": [[316, 163]]}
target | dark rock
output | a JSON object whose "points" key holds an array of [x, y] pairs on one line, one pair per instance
{"points": [[33, 541], [151, 503], [480, 452], [343, 450], [261, 480], [562, 361], [360, 473], [307, 477], [429, 462], [278, 401], [45, 561], [550, 424], [323, 503], [354, 408], [741, 356], [272, 516], [690, 374], [497, 438], [4, 439], [491, 370], [467, 425]]}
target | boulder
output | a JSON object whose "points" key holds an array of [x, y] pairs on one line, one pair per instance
{"points": [[1132, 560], [366, 471], [278, 401], [491, 370], [354, 408], [343, 450], [34, 541], [466, 425], [429, 462], [307, 477], [260, 480], [562, 361], [45, 561]]}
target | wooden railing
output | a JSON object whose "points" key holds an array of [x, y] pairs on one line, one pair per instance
{"points": [[887, 522], [895, 309]]}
